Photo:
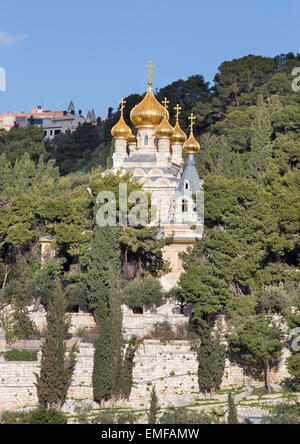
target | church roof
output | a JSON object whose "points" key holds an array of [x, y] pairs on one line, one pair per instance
{"points": [[190, 174]]}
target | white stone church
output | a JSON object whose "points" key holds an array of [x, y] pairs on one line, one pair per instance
{"points": [[154, 155]]}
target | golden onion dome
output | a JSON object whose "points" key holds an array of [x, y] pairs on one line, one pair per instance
{"points": [[179, 137], [121, 130], [191, 146], [164, 130], [149, 112], [132, 140]]}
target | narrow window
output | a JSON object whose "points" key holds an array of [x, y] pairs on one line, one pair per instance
{"points": [[146, 140], [184, 206], [187, 185]]}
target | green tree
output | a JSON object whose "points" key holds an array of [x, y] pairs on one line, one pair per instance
{"points": [[143, 291], [259, 342], [57, 366], [108, 350], [24, 140], [154, 408], [126, 377], [261, 146], [232, 412], [105, 260], [211, 358]]}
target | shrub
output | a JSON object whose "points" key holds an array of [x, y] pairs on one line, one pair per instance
{"points": [[184, 416], [21, 355], [163, 331], [284, 414], [44, 416], [37, 416], [88, 335]]}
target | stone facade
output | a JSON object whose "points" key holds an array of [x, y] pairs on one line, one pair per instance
{"points": [[171, 367]]}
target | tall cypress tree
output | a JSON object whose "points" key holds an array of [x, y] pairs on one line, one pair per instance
{"points": [[154, 408], [103, 292], [126, 379], [261, 147], [211, 357], [232, 412], [57, 366], [108, 350], [105, 262]]}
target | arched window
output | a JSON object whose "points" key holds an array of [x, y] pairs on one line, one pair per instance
{"points": [[185, 207], [187, 185], [146, 140]]}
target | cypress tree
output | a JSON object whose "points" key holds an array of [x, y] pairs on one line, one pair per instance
{"points": [[108, 350], [211, 357], [126, 378], [232, 412], [154, 408], [104, 262], [56, 366]]}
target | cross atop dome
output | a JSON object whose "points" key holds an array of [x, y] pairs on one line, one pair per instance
{"points": [[150, 66]]}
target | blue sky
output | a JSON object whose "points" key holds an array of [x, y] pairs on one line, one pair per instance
{"points": [[94, 52]]}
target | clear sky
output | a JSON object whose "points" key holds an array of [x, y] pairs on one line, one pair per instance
{"points": [[94, 52]]}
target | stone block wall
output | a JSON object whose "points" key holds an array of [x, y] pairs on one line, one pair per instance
{"points": [[171, 367]]}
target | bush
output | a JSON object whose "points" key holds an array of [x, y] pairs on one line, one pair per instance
{"points": [[163, 331], [88, 335], [259, 391], [184, 416], [44, 416], [21, 355], [38, 416], [284, 414]]}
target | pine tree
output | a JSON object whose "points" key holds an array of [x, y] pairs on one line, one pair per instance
{"points": [[232, 412], [259, 342], [154, 408], [56, 366], [211, 357], [261, 147]]}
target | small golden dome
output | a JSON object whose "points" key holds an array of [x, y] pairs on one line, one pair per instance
{"points": [[191, 146], [132, 140], [179, 137], [164, 129], [121, 130]]}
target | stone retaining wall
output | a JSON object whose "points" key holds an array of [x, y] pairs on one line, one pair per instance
{"points": [[171, 367]]}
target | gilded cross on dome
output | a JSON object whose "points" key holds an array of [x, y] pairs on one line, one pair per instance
{"points": [[122, 102], [192, 118], [165, 102], [150, 66], [177, 109]]}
